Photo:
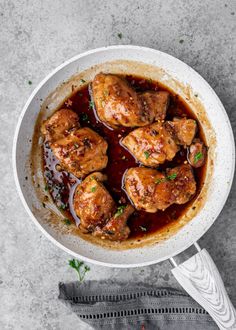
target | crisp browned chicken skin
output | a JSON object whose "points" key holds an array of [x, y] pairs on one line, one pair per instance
{"points": [[183, 130], [60, 124], [197, 153], [92, 202], [151, 190], [81, 152], [151, 145], [118, 104], [98, 212]]}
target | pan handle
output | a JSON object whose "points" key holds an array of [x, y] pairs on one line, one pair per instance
{"points": [[201, 279]]}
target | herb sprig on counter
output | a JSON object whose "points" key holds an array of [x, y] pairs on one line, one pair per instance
{"points": [[80, 268]]}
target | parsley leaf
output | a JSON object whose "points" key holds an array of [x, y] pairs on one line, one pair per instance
{"points": [[79, 267], [197, 157], [171, 176], [120, 210], [82, 81], [168, 177], [93, 189], [158, 181], [147, 154]]}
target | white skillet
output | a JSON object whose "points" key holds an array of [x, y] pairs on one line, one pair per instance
{"points": [[198, 275]]}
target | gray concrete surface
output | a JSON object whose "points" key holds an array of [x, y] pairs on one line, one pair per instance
{"points": [[35, 37]]}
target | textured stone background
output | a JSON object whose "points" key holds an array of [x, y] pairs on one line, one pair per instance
{"points": [[35, 37]]}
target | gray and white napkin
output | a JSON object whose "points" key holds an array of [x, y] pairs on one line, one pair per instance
{"points": [[127, 306]]}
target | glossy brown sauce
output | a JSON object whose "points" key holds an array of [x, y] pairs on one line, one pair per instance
{"points": [[61, 184]]}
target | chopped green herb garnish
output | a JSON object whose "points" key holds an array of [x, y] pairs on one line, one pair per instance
{"points": [[147, 154], [91, 104], [93, 189], [171, 176], [76, 145], [63, 207], [82, 81], [67, 221], [168, 177], [197, 157], [84, 116], [30, 82], [46, 187], [143, 228], [181, 41], [119, 35], [157, 181], [120, 210], [80, 268]]}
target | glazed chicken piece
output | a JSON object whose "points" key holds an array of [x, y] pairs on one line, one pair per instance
{"points": [[151, 145], [156, 143], [98, 212], [60, 124], [183, 130], [151, 190], [116, 228], [92, 202], [81, 152], [155, 103], [182, 183], [145, 193], [118, 104], [197, 153]]}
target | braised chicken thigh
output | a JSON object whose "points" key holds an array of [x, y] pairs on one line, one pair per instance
{"points": [[116, 228], [151, 145], [183, 130], [118, 104], [81, 152], [156, 143], [151, 190], [59, 125], [155, 103], [92, 202], [98, 212]]}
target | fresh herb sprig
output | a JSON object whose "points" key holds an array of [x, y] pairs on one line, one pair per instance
{"points": [[80, 268]]}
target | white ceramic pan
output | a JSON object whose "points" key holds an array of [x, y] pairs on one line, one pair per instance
{"points": [[198, 274]]}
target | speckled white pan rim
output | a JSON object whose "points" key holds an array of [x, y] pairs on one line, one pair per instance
{"points": [[199, 233]]}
